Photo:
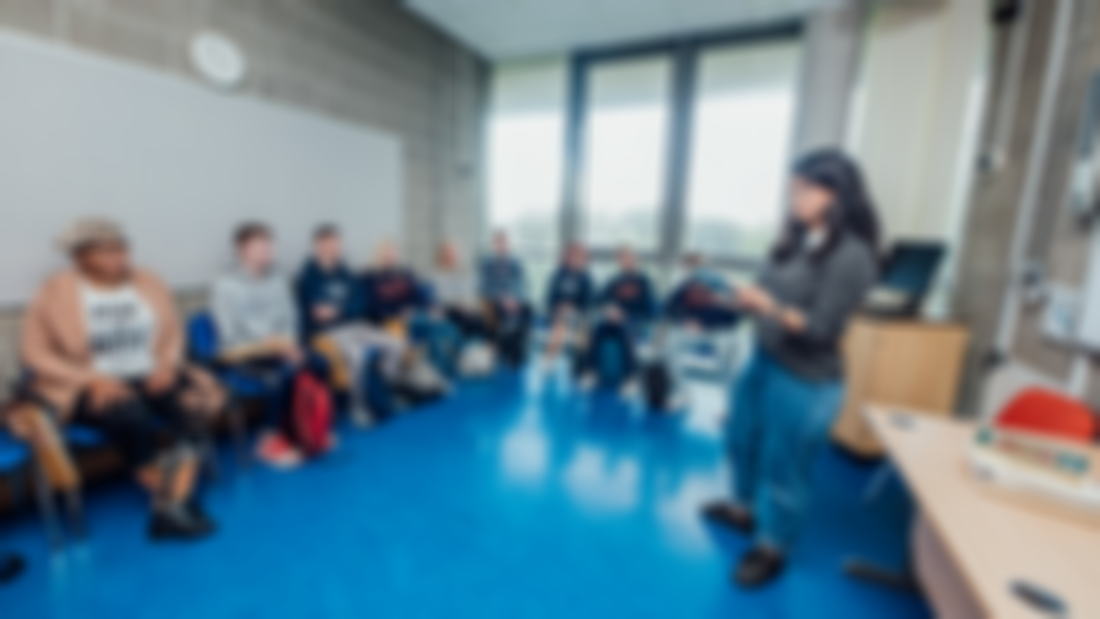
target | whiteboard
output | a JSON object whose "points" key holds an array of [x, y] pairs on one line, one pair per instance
{"points": [[179, 164]]}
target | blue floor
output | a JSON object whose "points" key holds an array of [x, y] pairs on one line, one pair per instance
{"points": [[518, 498]]}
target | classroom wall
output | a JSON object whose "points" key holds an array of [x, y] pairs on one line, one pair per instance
{"points": [[362, 61], [1056, 240], [916, 119], [831, 57]]}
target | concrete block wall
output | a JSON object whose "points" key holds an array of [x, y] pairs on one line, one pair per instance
{"points": [[361, 61]]}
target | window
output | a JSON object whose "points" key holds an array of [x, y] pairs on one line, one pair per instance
{"points": [[744, 108], [725, 103], [625, 150], [525, 143]]}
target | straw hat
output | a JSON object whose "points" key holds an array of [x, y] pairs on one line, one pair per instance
{"points": [[90, 231]]}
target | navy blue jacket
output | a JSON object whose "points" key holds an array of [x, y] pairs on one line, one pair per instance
{"points": [[337, 287], [569, 287], [702, 297], [633, 294], [388, 293]]}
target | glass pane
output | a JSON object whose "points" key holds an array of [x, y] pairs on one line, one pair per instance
{"points": [[526, 147], [625, 149], [526, 140], [743, 121]]}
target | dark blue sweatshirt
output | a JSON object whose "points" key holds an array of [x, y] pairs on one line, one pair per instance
{"points": [[569, 287], [633, 293], [337, 287], [703, 297], [388, 293]]}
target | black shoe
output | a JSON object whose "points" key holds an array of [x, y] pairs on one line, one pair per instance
{"points": [[176, 524], [759, 567], [199, 515], [11, 566], [730, 515]]}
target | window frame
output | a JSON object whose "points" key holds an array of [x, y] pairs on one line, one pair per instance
{"points": [[685, 55]]}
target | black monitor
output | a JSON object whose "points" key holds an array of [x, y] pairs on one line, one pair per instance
{"points": [[908, 275]]}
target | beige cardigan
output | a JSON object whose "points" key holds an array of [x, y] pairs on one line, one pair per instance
{"points": [[55, 346]]}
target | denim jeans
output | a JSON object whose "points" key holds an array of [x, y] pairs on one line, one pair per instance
{"points": [[777, 426], [440, 338]]}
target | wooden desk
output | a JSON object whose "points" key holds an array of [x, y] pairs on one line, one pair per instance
{"points": [[992, 542], [915, 365]]}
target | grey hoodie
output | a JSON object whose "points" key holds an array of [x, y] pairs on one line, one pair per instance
{"points": [[249, 309]]}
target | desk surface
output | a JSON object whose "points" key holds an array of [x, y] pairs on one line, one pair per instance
{"points": [[992, 541]]}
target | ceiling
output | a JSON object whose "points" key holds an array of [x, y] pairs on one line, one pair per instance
{"points": [[502, 29]]}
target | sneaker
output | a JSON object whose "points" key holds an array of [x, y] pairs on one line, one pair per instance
{"points": [[274, 450], [361, 418], [11, 566], [758, 567], [176, 524], [629, 390], [730, 515], [587, 382]]}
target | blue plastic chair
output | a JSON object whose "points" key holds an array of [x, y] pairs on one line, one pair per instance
{"points": [[13, 455], [76, 435], [203, 346]]}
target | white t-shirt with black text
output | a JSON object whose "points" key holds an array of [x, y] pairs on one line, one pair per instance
{"points": [[121, 327]]}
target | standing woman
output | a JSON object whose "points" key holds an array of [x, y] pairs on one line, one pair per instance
{"points": [[788, 395]]}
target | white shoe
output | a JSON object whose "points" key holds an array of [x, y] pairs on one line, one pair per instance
{"points": [[586, 382], [362, 418], [630, 390]]}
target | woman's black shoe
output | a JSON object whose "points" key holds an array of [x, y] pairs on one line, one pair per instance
{"points": [[759, 567], [730, 515], [176, 524], [11, 566]]}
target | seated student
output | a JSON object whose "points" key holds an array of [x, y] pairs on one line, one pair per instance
{"points": [[328, 292], [11, 566], [332, 304], [629, 297], [703, 300], [456, 294], [627, 309], [396, 302], [258, 331], [504, 291], [105, 347], [569, 296]]}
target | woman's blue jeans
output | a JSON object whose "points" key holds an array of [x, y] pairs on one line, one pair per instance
{"points": [[777, 426]]}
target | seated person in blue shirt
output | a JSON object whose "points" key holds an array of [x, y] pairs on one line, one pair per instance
{"points": [[629, 297], [332, 305], [703, 300], [628, 307], [504, 291], [397, 301], [569, 297]]}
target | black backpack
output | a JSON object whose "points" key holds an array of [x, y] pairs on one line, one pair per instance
{"points": [[658, 386]]}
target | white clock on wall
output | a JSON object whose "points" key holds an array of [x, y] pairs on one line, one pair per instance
{"points": [[218, 59]]}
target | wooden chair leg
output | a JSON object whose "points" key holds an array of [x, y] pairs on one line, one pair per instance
{"points": [[47, 510], [239, 427], [78, 522]]}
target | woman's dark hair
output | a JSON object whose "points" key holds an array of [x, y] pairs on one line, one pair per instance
{"points": [[248, 231], [852, 213]]}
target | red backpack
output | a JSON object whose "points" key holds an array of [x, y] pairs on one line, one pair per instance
{"points": [[312, 415]]}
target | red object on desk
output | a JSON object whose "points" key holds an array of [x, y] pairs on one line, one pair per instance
{"points": [[1045, 412]]}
